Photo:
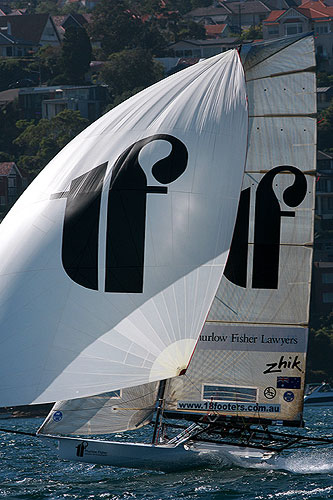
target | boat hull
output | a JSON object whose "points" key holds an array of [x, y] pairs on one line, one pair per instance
{"points": [[162, 457]]}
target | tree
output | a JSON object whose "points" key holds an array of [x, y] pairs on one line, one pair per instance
{"points": [[76, 54], [152, 38], [320, 349], [324, 79], [12, 70], [47, 63], [9, 115], [325, 128], [47, 7], [201, 3], [190, 30], [252, 33], [129, 69], [116, 26], [39, 143]]}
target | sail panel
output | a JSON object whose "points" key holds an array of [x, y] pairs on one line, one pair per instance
{"points": [[286, 305], [293, 94], [264, 59], [272, 142], [111, 412], [110, 260], [249, 371]]}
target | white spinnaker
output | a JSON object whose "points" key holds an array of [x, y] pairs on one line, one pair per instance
{"points": [[62, 340]]}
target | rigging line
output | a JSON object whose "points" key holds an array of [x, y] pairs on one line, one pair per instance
{"points": [[226, 305], [12, 431], [191, 381]]}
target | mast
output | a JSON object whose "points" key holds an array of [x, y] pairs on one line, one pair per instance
{"points": [[159, 401]]}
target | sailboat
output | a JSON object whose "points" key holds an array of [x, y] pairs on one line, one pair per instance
{"points": [[159, 267]]}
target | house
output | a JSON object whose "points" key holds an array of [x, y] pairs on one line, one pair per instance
{"points": [[217, 30], [202, 48], [237, 15], [11, 46], [47, 102], [63, 22], [209, 15], [324, 97], [90, 101], [24, 34], [324, 190], [311, 16], [322, 282], [12, 184]]}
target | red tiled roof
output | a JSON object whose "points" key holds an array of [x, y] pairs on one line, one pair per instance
{"points": [[274, 15], [310, 9], [5, 167], [315, 12], [214, 29]]}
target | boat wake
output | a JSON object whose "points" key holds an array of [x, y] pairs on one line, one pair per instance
{"points": [[305, 462], [300, 462]]}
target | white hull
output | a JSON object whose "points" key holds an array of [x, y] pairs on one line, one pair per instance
{"points": [[318, 395], [155, 457]]}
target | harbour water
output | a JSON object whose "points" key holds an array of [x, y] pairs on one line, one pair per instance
{"points": [[30, 469]]}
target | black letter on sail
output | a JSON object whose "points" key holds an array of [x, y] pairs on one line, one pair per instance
{"points": [[81, 227], [126, 223], [267, 230], [126, 218], [267, 226]]}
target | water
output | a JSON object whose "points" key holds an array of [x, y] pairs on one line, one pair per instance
{"points": [[29, 469]]}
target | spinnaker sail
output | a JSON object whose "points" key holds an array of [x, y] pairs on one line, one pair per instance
{"points": [[110, 260]]}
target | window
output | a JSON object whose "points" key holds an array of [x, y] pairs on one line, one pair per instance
{"points": [[323, 185], [9, 51], [321, 28], [2, 200], [293, 28], [11, 182], [327, 277], [328, 297], [229, 393], [273, 31]]}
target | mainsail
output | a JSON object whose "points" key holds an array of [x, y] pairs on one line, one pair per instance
{"points": [[249, 362], [250, 359], [110, 260]]}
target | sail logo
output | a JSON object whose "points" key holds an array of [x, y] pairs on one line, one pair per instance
{"points": [[80, 449], [57, 416], [267, 230], [291, 364], [126, 217]]}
